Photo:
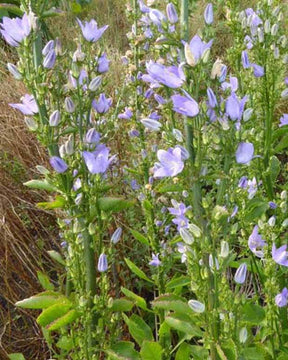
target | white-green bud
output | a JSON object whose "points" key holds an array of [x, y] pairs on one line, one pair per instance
{"points": [[224, 249], [285, 223], [283, 195], [69, 145], [62, 151], [274, 29], [247, 114], [205, 56], [196, 306], [243, 334], [31, 123], [186, 236], [260, 35], [284, 94], [42, 170], [14, 71], [95, 83], [267, 26], [272, 221]]}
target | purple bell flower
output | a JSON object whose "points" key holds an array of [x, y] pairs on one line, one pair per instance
{"points": [[243, 182], [256, 243], [50, 59], [151, 124], [102, 105], [97, 161], [102, 263], [28, 106], [171, 13], [155, 260], [280, 255], [179, 211], [240, 275], [272, 205], [245, 60], [258, 70], [126, 115], [170, 163], [185, 105], [283, 120], [90, 30], [116, 235], [235, 106], [92, 136], [208, 14], [244, 153], [103, 64], [211, 98], [197, 47], [15, 30], [55, 118], [58, 164], [282, 298], [48, 47], [171, 76], [157, 17]]}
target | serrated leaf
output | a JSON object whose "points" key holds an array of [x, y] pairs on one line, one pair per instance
{"points": [[183, 324], [138, 329], [138, 236], [64, 320], [151, 350], [111, 204], [40, 185], [39, 301], [44, 281], [134, 268], [172, 302], [139, 301], [121, 305], [54, 312], [56, 256], [253, 313], [16, 356], [123, 350]]}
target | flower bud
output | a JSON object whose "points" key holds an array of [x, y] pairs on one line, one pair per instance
{"points": [[190, 59], [284, 94], [69, 105], [267, 27], [196, 231], [55, 118], [260, 35], [69, 145], [271, 221], [274, 29], [58, 164], [42, 170], [14, 71], [62, 150], [102, 263], [240, 275], [48, 47], [186, 236], [95, 83], [283, 195], [196, 306], [116, 235], [247, 114], [243, 334], [208, 14], [224, 249], [151, 124], [92, 136], [205, 56], [31, 123], [171, 13]]}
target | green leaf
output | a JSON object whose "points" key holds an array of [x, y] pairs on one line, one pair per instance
{"points": [[253, 313], [178, 282], [56, 256], [45, 281], [15, 10], [255, 353], [283, 144], [121, 305], [58, 203], [275, 167], [164, 188], [138, 236], [199, 353], [64, 320], [138, 329], [137, 271], [221, 353], [54, 312], [76, 8], [39, 301], [184, 324], [256, 208], [139, 301], [16, 356], [184, 352], [65, 343], [112, 204], [229, 349], [151, 350], [40, 185], [123, 350], [172, 302]]}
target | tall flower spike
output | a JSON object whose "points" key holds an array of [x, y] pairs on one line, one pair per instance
{"points": [[90, 30]]}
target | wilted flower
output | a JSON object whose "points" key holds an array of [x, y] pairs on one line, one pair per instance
{"points": [[256, 243], [116, 235], [97, 161], [240, 275], [102, 105], [170, 163], [15, 30], [208, 14], [280, 255], [155, 260], [196, 306], [90, 30], [185, 105], [244, 153], [58, 164], [282, 298], [28, 106], [102, 263]]}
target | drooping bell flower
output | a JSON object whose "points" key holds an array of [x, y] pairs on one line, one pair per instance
{"points": [[195, 50], [171, 13], [171, 76], [58, 164], [102, 105], [97, 161], [244, 153], [15, 30], [90, 30], [28, 106], [102, 263], [240, 275], [208, 14], [235, 106], [185, 105], [155, 260], [280, 255], [103, 64], [256, 243], [258, 70], [170, 163], [126, 115], [281, 299]]}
